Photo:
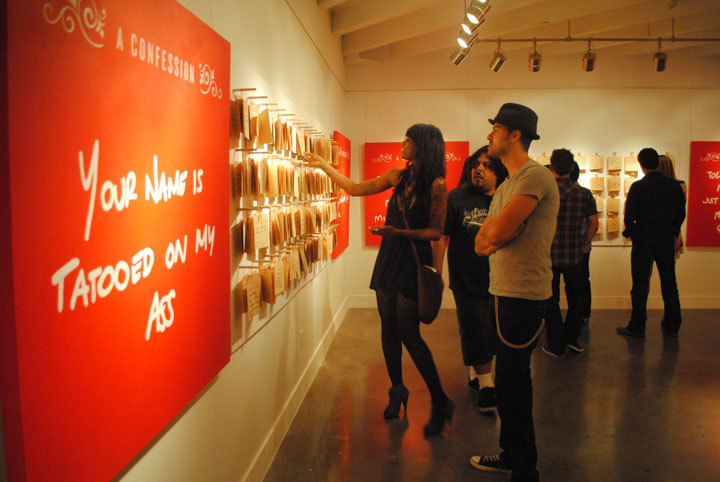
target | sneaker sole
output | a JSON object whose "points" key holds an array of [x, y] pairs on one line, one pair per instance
{"points": [[551, 354], [576, 349], [486, 468]]}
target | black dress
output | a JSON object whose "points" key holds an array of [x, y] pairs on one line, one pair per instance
{"points": [[395, 267]]}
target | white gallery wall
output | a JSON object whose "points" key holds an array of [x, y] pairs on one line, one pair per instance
{"points": [[232, 430], [587, 120]]}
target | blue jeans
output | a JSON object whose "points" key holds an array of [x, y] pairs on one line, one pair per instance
{"points": [[477, 333], [518, 320]]}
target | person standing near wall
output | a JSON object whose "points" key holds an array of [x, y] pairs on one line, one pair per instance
{"points": [[585, 290], [517, 236], [470, 274], [654, 212], [421, 194], [576, 205], [666, 167]]}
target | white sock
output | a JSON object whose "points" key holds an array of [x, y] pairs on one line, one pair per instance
{"points": [[485, 380]]}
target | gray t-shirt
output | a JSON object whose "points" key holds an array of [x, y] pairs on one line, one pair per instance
{"points": [[523, 268]]}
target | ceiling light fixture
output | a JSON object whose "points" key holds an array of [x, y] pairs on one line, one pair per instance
{"points": [[498, 59], [589, 59], [476, 11], [458, 56], [535, 59], [469, 27], [660, 58]]}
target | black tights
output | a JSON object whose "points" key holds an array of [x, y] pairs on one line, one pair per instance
{"points": [[401, 326]]}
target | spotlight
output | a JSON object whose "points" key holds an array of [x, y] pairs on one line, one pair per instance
{"points": [[458, 56], [476, 11], [660, 58], [589, 59], [464, 39], [534, 59], [469, 27], [498, 59]]}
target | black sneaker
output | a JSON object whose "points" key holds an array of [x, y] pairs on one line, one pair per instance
{"points": [[489, 463], [554, 354], [474, 384], [576, 347], [487, 401], [622, 330], [667, 332]]}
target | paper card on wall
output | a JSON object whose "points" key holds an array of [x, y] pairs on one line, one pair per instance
{"points": [[274, 230], [239, 299], [250, 234], [335, 153], [273, 188], [544, 159], [333, 211], [278, 134], [303, 222], [279, 276], [628, 182], [600, 228], [286, 271], [299, 147], [631, 163], [246, 119], [304, 266], [238, 237], [265, 134], [267, 276], [294, 264], [614, 163], [613, 206], [325, 248], [582, 162], [235, 123], [282, 185], [254, 122], [600, 203], [597, 163], [287, 140], [261, 230], [253, 294], [613, 225], [613, 184], [597, 184], [262, 164]]}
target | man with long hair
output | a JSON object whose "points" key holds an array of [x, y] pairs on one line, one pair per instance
{"points": [[469, 273]]}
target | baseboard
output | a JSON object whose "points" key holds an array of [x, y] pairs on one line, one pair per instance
{"points": [[267, 451]]}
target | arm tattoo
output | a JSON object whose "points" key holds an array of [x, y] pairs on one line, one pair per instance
{"points": [[438, 204]]}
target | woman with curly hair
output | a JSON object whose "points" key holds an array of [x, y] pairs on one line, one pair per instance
{"points": [[420, 197]]}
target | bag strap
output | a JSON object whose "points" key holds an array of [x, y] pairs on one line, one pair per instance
{"points": [[412, 243]]}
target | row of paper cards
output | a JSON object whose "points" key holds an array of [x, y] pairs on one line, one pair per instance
{"points": [[609, 184], [598, 163], [263, 127], [273, 176], [263, 285], [278, 226]]}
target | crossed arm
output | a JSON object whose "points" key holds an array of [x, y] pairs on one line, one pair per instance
{"points": [[497, 232]]}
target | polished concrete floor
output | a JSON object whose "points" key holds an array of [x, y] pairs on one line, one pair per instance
{"points": [[625, 409]]}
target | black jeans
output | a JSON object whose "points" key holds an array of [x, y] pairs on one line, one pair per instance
{"points": [[401, 326], [644, 253], [477, 333], [585, 290], [519, 320], [558, 335]]}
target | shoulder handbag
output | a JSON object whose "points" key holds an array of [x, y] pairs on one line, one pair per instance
{"points": [[429, 286]]}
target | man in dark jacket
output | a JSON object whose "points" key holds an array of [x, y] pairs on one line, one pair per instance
{"points": [[654, 212]]}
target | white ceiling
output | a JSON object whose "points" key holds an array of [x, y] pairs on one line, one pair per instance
{"points": [[384, 31]]}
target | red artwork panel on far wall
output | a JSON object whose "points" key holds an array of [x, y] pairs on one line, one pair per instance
{"points": [[118, 165], [343, 201], [703, 221], [383, 156]]}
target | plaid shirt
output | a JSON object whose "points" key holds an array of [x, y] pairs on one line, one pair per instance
{"points": [[576, 203]]}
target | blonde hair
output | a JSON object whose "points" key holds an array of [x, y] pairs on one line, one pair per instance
{"points": [[666, 167]]}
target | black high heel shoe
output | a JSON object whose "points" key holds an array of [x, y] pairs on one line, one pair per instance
{"points": [[398, 395], [438, 417]]}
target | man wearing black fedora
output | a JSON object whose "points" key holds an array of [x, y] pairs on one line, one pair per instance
{"points": [[517, 235]]}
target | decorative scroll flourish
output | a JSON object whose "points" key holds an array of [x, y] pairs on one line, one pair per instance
{"points": [[207, 77], [84, 14]]}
